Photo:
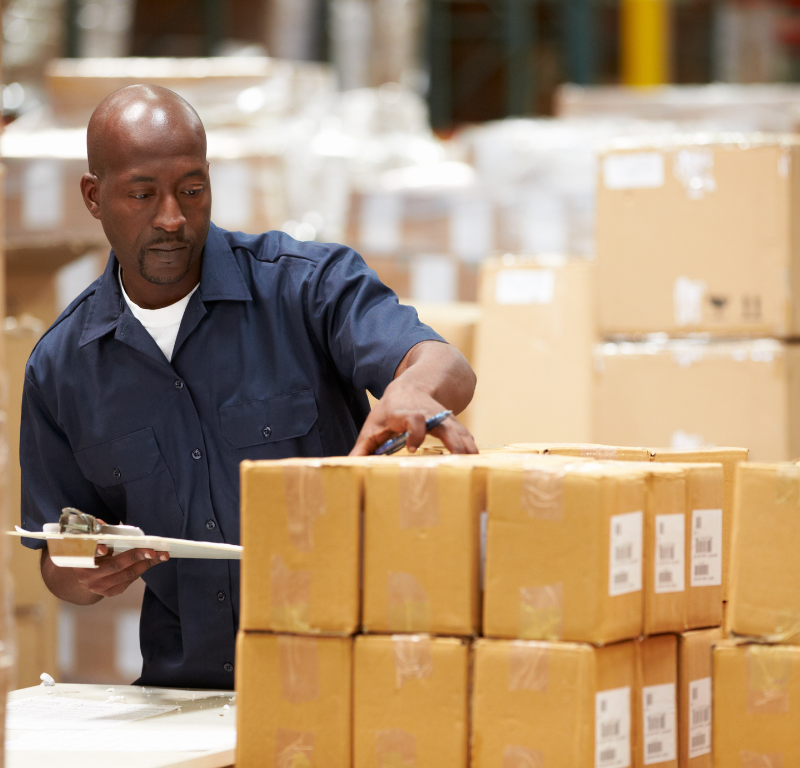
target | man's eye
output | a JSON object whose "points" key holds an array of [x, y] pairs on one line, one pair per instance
{"points": [[193, 192], [140, 195]]}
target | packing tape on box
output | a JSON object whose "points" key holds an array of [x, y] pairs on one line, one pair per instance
{"points": [[395, 748], [294, 749], [297, 658], [543, 492], [787, 485], [541, 612], [418, 494], [768, 671], [528, 666], [522, 757], [407, 604], [749, 759], [413, 658], [290, 597], [304, 494]]}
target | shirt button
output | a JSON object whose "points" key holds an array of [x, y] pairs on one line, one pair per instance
{"points": [[197, 454], [178, 384], [267, 431], [220, 596], [211, 525], [227, 666], [117, 474]]}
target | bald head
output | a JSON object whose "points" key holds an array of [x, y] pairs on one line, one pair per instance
{"points": [[138, 119]]}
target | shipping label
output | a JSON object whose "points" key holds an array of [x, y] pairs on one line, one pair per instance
{"points": [[525, 286], [699, 717], [634, 170], [706, 547], [660, 713], [625, 557], [612, 725], [670, 559]]}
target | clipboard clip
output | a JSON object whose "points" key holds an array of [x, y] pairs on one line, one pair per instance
{"points": [[74, 521]]}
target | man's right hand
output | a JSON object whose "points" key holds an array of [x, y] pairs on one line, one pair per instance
{"points": [[113, 575]]}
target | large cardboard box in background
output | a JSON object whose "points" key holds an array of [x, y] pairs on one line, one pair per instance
{"points": [[294, 700], [764, 598], [560, 705], [756, 689], [700, 235], [657, 659], [694, 696], [730, 458], [688, 394], [564, 551], [301, 533], [533, 351], [422, 547], [411, 701]]}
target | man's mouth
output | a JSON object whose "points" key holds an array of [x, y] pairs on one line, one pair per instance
{"points": [[168, 248]]}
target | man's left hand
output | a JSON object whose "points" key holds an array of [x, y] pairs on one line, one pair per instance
{"points": [[431, 378]]}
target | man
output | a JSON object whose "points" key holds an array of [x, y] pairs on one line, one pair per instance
{"points": [[196, 349]]}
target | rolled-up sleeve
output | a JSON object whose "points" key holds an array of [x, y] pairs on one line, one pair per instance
{"points": [[51, 479], [359, 320]]}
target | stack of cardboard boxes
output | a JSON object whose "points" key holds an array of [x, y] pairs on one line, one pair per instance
{"points": [[757, 675], [512, 609], [698, 281]]}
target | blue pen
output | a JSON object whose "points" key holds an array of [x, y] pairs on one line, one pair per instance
{"points": [[396, 443]]}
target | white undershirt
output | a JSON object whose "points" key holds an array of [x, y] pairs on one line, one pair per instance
{"points": [[162, 324]]}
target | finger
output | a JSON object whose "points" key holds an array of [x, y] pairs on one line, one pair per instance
{"points": [[373, 434], [114, 563], [121, 579], [450, 436], [415, 426], [101, 550]]}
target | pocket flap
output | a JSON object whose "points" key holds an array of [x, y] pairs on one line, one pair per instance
{"points": [[258, 422], [121, 460]]}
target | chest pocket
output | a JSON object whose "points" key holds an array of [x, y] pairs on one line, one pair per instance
{"points": [[260, 422], [133, 480], [120, 461]]}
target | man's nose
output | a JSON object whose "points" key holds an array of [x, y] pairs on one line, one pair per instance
{"points": [[169, 216]]}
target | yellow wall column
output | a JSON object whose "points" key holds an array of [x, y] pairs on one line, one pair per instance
{"points": [[644, 42]]}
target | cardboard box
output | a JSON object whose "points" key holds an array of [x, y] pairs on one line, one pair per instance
{"points": [[536, 703], [585, 450], [533, 351], [756, 694], [694, 697], [301, 535], [411, 701], [564, 551], [730, 458], [765, 568], [294, 700], [422, 547], [690, 394], [657, 658], [36, 645], [700, 235], [665, 571]]}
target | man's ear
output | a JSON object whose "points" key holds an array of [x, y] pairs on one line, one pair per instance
{"points": [[89, 191]]}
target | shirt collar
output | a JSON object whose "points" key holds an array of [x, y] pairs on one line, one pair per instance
{"points": [[220, 280]]}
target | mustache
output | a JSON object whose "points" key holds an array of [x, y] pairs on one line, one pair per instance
{"points": [[167, 241]]}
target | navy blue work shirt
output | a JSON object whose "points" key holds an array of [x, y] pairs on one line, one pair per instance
{"points": [[272, 360]]}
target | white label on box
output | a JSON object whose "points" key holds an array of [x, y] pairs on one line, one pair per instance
{"points": [[706, 547], [612, 728], [434, 278], [686, 441], [625, 560], [635, 170], [687, 300], [471, 229], [380, 221], [670, 560], [699, 717], [525, 286], [232, 182], [659, 723], [42, 195], [544, 227]]}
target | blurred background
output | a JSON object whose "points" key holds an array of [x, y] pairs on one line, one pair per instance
{"points": [[455, 144]]}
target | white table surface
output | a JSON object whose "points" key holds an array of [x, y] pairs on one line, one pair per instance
{"points": [[202, 710]]}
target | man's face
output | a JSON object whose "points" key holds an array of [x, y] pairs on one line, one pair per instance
{"points": [[154, 203]]}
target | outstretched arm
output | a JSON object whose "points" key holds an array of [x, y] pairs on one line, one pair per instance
{"points": [[431, 377]]}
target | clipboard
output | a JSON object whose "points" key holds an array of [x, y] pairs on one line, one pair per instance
{"points": [[75, 547]]}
